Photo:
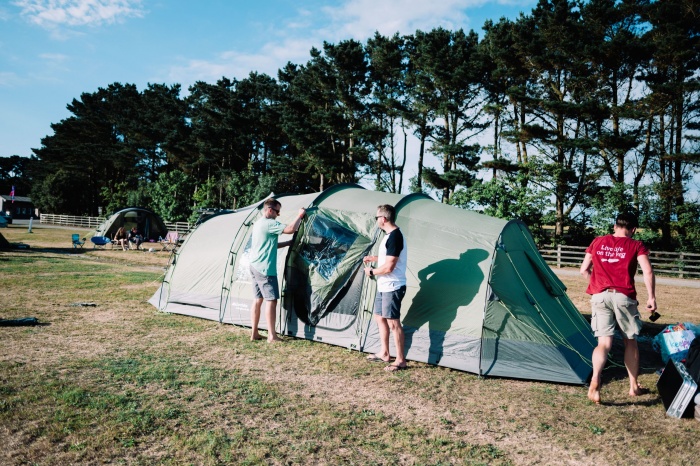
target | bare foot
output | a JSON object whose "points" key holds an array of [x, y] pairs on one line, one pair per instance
{"points": [[275, 340], [637, 391], [594, 391], [256, 337]]}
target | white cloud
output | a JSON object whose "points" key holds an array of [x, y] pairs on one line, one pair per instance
{"points": [[51, 14], [9, 79], [357, 19], [234, 64], [360, 18], [54, 62], [54, 57]]}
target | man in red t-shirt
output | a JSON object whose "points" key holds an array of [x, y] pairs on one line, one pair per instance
{"points": [[613, 296]]}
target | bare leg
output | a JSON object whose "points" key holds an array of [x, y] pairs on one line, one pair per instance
{"points": [[383, 337], [271, 316], [396, 328], [632, 365], [600, 356], [255, 319]]}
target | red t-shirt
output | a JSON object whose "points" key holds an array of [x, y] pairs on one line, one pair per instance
{"points": [[615, 264]]}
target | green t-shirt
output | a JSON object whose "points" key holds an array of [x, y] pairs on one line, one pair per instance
{"points": [[263, 250]]}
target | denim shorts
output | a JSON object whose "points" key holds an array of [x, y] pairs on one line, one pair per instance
{"points": [[264, 286], [388, 304], [612, 306]]}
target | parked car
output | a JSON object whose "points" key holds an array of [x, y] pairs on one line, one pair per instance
{"points": [[7, 217]]}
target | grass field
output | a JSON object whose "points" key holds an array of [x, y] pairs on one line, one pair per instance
{"points": [[108, 379]]}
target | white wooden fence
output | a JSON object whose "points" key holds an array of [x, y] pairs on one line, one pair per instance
{"points": [[679, 264], [71, 221], [94, 222]]}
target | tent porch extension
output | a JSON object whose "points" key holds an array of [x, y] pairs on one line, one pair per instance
{"points": [[480, 298]]}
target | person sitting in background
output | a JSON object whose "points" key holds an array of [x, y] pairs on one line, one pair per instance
{"points": [[121, 237], [135, 237]]}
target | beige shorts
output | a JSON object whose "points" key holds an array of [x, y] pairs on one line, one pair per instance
{"points": [[609, 307]]}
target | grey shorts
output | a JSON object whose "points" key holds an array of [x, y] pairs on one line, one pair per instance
{"points": [[609, 307], [265, 286], [388, 304]]}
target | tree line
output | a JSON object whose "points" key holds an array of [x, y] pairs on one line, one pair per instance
{"points": [[561, 117]]}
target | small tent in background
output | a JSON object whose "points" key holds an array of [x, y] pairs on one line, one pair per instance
{"points": [[480, 298], [147, 222]]}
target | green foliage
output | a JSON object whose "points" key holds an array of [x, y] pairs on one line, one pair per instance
{"points": [[608, 202], [209, 195], [508, 199], [117, 198], [687, 227], [171, 196], [61, 193], [415, 186], [205, 195], [246, 188], [139, 196], [122, 195], [14, 172]]}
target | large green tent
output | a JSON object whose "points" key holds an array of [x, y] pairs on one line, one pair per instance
{"points": [[480, 298]]}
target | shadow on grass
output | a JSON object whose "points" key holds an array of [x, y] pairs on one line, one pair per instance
{"points": [[23, 322], [654, 402], [34, 250]]}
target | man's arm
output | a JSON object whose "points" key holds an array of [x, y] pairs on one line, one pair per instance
{"points": [[292, 227], [649, 282], [387, 267], [586, 266]]}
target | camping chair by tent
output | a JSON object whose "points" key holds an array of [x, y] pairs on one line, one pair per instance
{"points": [[170, 241], [76, 240], [100, 241]]}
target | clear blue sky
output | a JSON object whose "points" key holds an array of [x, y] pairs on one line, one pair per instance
{"points": [[51, 51]]}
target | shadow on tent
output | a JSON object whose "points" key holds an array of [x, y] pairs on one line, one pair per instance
{"points": [[447, 284]]}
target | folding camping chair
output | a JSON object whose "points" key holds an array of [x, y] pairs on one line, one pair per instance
{"points": [[100, 241], [76, 240], [169, 243]]}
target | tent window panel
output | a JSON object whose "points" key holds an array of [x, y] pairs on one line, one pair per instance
{"points": [[243, 272], [327, 244], [323, 275]]}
